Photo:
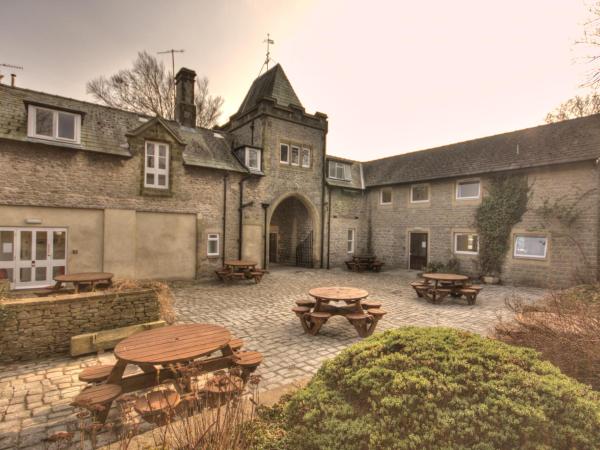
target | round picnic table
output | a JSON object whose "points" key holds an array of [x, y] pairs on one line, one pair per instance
{"points": [[83, 278], [364, 321], [338, 294], [176, 343], [453, 281]]}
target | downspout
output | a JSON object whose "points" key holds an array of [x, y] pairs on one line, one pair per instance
{"points": [[223, 246], [323, 178], [265, 209], [241, 211], [328, 226]]}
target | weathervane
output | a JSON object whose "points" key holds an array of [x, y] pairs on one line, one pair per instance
{"points": [[269, 42]]}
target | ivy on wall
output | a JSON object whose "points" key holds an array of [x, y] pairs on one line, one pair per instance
{"points": [[499, 211]]}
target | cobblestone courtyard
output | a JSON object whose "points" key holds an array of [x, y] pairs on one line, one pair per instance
{"points": [[36, 395]]}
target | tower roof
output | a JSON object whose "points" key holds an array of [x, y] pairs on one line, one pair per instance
{"points": [[272, 84]]}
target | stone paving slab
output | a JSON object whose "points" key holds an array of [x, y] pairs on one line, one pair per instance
{"points": [[35, 396]]}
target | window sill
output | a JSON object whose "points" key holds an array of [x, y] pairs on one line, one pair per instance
{"points": [[156, 192], [466, 253]]}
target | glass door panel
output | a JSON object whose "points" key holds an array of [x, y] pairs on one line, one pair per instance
{"points": [[7, 255]]}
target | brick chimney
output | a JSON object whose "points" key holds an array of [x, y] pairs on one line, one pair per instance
{"points": [[185, 108]]}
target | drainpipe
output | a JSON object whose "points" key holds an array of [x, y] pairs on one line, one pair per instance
{"points": [[323, 179], [328, 225], [241, 211], [223, 247], [265, 209]]}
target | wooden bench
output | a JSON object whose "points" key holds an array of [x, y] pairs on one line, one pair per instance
{"points": [[223, 273], [257, 276], [98, 399], [158, 406], [317, 320], [46, 292], [368, 304], [360, 321], [351, 265], [470, 294], [309, 303], [223, 384], [248, 362], [95, 374], [376, 266], [236, 344]]}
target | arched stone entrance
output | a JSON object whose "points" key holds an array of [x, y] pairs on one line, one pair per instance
{"points": [[292, 232]]}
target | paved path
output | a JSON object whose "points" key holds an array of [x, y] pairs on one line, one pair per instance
{"points": [[36, 395]]}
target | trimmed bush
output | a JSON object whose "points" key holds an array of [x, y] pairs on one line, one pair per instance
{"points": [[440, 388]]}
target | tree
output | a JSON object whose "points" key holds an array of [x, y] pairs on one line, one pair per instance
{"points": [[148, 88], [578, 106]]}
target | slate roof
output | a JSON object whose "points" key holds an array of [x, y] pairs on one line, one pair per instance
{"points": [[568, 141], [105, 129], [273, 84]]}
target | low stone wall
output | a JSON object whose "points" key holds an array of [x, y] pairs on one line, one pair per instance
{"points": [[37, 327]]}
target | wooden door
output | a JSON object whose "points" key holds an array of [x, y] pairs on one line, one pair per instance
{"points": [[273, 247], [418, 250]]}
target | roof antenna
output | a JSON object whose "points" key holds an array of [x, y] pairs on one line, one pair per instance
{"points": [[172, 52], [269, 42], [12, 75]]}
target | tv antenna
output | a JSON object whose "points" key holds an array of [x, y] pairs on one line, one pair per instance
{"points": [[13, 76], [269, 42], [172, 52]]}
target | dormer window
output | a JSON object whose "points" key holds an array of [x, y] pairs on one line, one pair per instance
{"points": [[339, 171], [252, 158], [54, 125], [156, 167]]}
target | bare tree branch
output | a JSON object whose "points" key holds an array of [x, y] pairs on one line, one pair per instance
{"points": [[148, 88]]}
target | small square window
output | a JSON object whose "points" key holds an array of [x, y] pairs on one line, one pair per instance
{"points": [[339, 171], [295, 156], [385, 196], [531, 246], [419, 193], [467, 243], [213, 244], [467, 189], [284, 154], [305, 157]]}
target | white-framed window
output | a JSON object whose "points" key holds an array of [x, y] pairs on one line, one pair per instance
{"points": [[212, 244], [295, 160], [385, 196], [252, 158], [306, 157], [466, 243], [284, 154], [156, 166], [54, 125], [527, 246], [419, 193], [467, 189], [339, 171], [351, 240]]}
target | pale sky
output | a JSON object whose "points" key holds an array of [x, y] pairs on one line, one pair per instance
{"points": [[393, 76]]}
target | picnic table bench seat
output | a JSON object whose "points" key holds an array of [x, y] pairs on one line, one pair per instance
{"points": [[100, 394], [470, 294], [257, 276], [157, 406], [308, 303], [51, 290], [370, 304], [377, 265], [96, 374], [236, 344], [224, 384]]}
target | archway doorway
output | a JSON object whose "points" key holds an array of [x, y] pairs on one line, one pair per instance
{"points": [[291, 234]]}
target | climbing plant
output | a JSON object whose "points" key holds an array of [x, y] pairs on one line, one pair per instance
{"points": [[499, 211]]}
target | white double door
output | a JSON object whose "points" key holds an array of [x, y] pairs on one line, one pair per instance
{"points": [[32, 257]]}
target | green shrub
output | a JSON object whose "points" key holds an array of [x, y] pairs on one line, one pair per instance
{"points": [[452, 266], [439, 388]]}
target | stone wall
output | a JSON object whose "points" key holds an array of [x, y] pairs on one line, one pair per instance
{"points": [[38, 327], [384, 229]]}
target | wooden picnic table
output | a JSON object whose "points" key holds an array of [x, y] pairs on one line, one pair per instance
{"points": [[312, 317], [240, 264], [84, 278], [451, 283], [359, 262], [165, 347]]}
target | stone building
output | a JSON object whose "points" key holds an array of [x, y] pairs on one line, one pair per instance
{"points": [[86, 187]]}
